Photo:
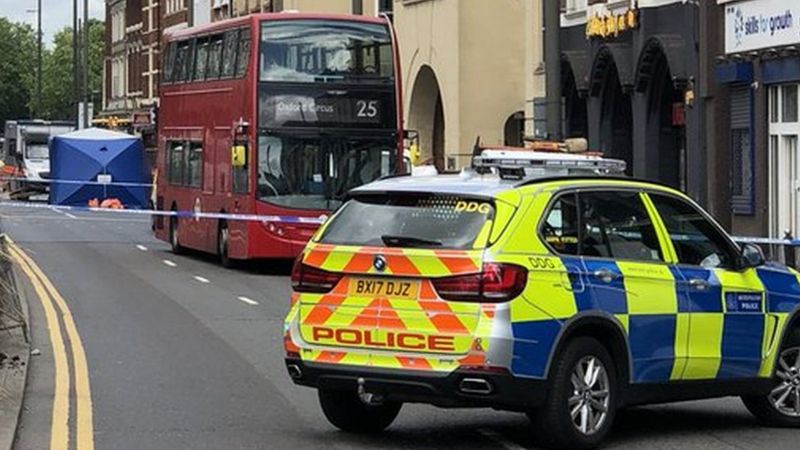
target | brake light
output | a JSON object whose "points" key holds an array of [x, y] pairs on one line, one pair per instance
{"points": [[495, 283], [310, 279]]}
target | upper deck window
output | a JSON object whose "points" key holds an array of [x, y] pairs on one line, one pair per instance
{"points": [[309, 51], [224, 55]]}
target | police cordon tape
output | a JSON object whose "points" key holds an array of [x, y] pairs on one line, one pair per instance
{"points": [[180, 214], [83, 182], [280, 219]]}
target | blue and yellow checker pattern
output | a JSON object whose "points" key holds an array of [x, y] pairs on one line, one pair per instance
{"points": [[680, 322]]}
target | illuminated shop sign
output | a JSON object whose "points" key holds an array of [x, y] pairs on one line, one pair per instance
{"points": [[612, 25]]}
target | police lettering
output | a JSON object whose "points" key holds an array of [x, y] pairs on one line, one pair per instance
{"points": [[390, 339]]}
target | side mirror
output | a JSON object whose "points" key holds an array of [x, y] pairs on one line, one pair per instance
{"points": [[752, 256]]}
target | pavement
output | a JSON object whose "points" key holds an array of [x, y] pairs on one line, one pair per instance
{"points": [[182, 353]]}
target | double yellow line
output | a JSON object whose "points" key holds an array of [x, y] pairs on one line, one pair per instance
{"points": [[55, 305]]}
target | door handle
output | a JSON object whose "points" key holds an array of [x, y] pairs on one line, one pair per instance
{"points": [[605, 275], [698, 284]]}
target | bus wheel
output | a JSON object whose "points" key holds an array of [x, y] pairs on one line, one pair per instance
{"points": [[173, 236], [223, 236]]}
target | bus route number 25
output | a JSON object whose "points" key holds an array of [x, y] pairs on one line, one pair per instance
{"points": [[367, 109]]}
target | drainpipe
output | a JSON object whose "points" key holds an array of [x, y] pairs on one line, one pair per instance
{"points": [[552, 57]]}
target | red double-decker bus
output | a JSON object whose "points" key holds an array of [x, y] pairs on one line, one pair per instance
{"points": [[273, 115]]}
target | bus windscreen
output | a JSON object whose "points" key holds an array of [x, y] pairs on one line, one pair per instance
{"points": [[332, 51], [317, 172]]}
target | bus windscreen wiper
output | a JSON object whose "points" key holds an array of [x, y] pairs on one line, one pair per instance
{"points": [[408, 241]]}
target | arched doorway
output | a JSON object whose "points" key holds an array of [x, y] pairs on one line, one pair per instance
{"points": [[665, 126], [426, 115], [615, 128], [576, 123], [514, 129]]}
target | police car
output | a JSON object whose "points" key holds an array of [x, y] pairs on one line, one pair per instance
{"points": [[564, 297]]}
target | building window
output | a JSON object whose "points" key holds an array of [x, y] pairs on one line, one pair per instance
{"points": [[117, 26], [385, 7], [175, 6], [784, 161], [741, 145], [569, 6], [789, 103]]}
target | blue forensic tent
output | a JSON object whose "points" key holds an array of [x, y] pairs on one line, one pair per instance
{"points": [[98, 164]]}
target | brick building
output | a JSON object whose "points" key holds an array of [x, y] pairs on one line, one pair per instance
{"points": [[133, 60]]}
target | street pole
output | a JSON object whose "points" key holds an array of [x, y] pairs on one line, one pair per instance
{"points": [[75, 63], [86, 94], [39, 61], [552, 58]]}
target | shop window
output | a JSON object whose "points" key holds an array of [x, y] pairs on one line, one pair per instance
{"points": [[774, 104], [789, 103], [741, 145], [742, 171]]}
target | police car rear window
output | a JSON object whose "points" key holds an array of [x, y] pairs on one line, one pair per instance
{"points": [[431, 221]]}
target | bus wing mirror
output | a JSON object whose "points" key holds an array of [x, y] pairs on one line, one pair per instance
{"points": [[239, 156]]}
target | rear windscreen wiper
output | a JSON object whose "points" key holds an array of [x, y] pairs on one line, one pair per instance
{"points": [[408, 241]]}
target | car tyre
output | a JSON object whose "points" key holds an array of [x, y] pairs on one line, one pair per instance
{"points": [[781, 406], [174, 236], [223, 239], [581, 405], [345, 411]]}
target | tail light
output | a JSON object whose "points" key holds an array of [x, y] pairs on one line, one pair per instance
{"points": [[494, 284], [312, 280]]}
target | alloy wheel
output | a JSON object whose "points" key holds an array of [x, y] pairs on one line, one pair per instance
{"points": [[785, 397], [590, 400]]}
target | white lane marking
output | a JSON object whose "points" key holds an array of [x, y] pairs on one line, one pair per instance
{"points": [[141, 247], [201, 279], [249, 301], [63, 213], [500, 439], [170, 263]]}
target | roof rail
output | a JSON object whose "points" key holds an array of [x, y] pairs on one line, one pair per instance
{"points": [[393, 175], [593, 178]]}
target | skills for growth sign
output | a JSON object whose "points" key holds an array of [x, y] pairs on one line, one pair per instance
{"points": [[758, 24]]}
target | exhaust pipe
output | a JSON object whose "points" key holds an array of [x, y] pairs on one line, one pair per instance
{"points": [[476, 386], [368, 398], [294, 371]]}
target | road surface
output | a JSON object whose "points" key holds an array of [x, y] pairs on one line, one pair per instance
{"points": [[181, 353]]}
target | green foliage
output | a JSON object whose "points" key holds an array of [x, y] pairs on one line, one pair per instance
{"points": [[18, 65], [58, 66], [17, 69]]}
